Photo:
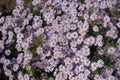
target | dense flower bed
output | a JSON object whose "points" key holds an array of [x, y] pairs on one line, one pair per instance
{"points": [[61, 40]]}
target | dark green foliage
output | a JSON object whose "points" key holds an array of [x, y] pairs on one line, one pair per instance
{"points": [[80, 18], [45, 0], [28, 3], [114, 12], [106, 58], [94, 57], [36, 43], [91, 32], [36, 12], [36, 72], [98, 71], [91, 78], [81, 1]]}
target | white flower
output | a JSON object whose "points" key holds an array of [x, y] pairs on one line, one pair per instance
{"points": [[18, 47], [70, 75], [65, 71], [76, 60], [66, 28], [111, 50], [7, 52], [69, 35], [30, 16], [48, 54], [100, 43], [35, 25], [10, 34], [87, 72], [86, 16], [100, 63], [69, 66], [20, 77], [11, 77], [92, 40], [2, 59], [79, 53], [97, 77], [80, 39], [19, 60], [76, 70], [111, 78], [34, 2], [2, 19], [118, 41], [93, 16], [5, 67], [42, 56], [73, 27], [118, 24], [55, 72], [19, 41], [105, 25], [26, 77], [100, 37], [106, 19], [79, 24], [89, 41], [74, 35], [73, 44], [20, 36], [6, 62], [17, 30], [15, 67], [86, 51], [82, 32], [67, 61], [82, 76], [109, 71], [95, 28], [29, 39], [87, 62], [54, 37], [81, 68], [73, 49], [100, 52], [82, 58], [103, 5], [27, 55], [39, 50], [52, 43], [85, 26], [94, 66], [20, 2], [25, 22], [61, 67], [25, 45], [8, 72], [41, 30]]}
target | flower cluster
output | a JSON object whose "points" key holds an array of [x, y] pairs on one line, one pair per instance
{"points": [[61, 40]]}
